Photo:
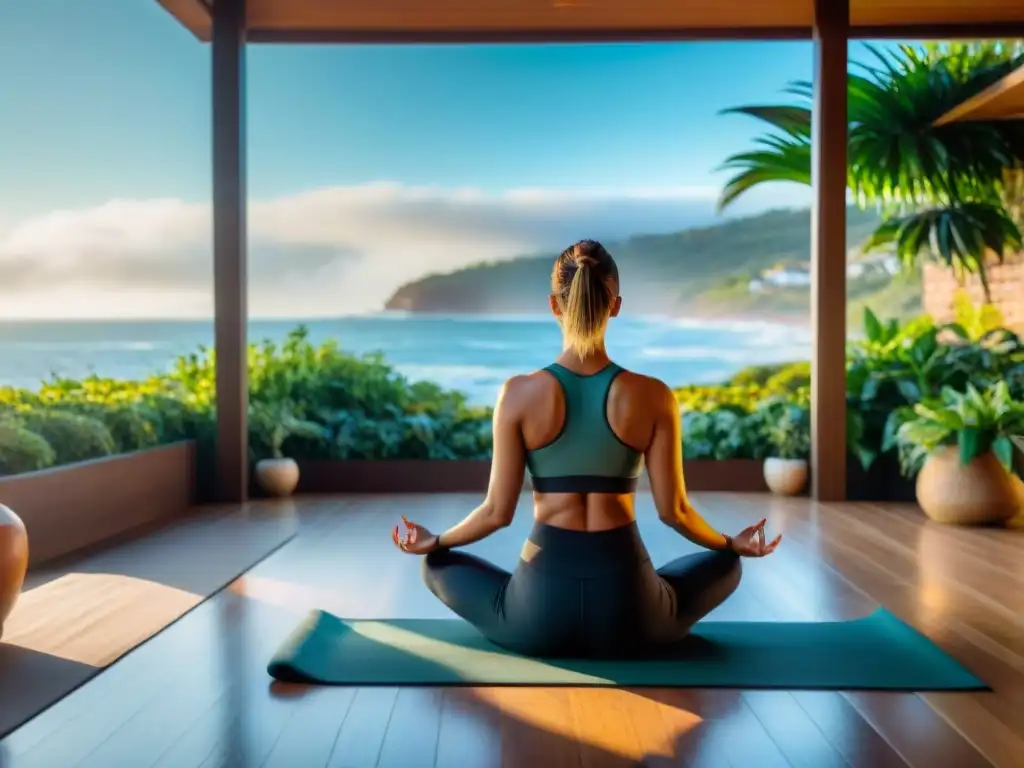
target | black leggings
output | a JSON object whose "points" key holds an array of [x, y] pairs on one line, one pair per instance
{"points": [[583, 595]]}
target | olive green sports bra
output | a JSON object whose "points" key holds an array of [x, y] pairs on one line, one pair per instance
{"points": [[586, 456]]}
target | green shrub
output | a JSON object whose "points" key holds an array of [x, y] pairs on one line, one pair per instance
{"points": [[720, 434], [22, 450], [788, 430], [756, 374], [132, 426], [792, 378], [72, 436]]}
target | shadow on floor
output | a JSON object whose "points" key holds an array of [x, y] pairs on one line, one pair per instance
{"points": [[32, 681]]}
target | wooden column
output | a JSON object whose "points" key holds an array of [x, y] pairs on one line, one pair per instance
{"points": [[828, 251], [229, 249]]}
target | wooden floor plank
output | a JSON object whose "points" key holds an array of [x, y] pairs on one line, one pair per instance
{"points": [[311, 733], [362, 734], [470, 733], [793, 730], [198, 695]]}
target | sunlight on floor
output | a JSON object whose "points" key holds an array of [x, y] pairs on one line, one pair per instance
{"points": [[301, 598], [597, 717], [94, 618], [286, 594], [933, 582]]}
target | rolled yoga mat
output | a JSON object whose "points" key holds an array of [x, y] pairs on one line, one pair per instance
{"points": [[876, 652]]}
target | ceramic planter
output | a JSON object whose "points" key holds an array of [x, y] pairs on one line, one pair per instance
{"points": [[979, 493], [786, 477], [13, 561], [277, 477]]}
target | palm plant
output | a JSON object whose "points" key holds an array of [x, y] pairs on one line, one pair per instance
{"points": [[947, 191]]}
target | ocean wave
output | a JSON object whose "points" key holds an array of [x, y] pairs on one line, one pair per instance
{"points": [[741, 356], [739, 326], [446, 374], [81, 347], [459, 317], [493, 346]]}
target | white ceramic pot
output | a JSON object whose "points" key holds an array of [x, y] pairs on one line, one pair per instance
{"points": [[277, 477], [13, 561], [980, 493], [786, 477]]}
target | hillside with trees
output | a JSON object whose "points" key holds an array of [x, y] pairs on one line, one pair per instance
{"points": [[696, 272]]}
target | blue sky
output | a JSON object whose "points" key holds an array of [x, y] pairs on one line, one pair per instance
{"points": [[112, 98], [107, 108]]}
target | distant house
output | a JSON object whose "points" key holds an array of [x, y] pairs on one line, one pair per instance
{"points": [[788, 276], [883, 263], [799, 275]]}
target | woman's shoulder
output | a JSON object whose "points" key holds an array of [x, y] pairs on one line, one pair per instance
{"points": [[523, 386], [649, 385]]}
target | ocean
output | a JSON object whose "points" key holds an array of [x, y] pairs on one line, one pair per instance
{"points": [[474, 354]]}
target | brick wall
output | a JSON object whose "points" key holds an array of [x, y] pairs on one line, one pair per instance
{"points": [[1006, 282]]}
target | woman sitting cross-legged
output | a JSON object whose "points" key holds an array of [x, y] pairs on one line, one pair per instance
{"points": [[584, 585]]}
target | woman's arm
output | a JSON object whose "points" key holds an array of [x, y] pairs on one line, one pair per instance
{"points": [[664, 459], [507, 470]]}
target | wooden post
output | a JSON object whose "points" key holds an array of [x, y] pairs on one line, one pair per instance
{"points": [[828, 250], [229, 249]]}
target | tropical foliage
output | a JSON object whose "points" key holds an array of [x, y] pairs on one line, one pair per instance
{"points": [[889, 370], [945, 191], [311, 401]]}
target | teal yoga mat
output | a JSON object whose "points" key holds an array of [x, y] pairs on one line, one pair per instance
{"points": [[876, 652]]}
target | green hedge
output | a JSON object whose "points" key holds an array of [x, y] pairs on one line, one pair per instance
{"points": [[311, 401], [305, 400]]}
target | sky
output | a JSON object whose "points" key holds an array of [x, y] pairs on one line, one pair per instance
{"points": [[367, 166]]}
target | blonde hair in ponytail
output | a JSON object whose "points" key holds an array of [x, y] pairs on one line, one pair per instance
{"points": [[585, 280]]}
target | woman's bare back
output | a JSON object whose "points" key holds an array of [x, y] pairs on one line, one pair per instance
{"points": [[631, 410]]}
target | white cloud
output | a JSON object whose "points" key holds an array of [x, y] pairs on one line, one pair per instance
{"points": [[325, 252]]}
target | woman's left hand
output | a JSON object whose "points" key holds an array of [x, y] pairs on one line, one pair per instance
{"points": [[417, 540]]}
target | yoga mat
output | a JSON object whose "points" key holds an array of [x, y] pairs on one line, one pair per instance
{"points": [[876, 652]]}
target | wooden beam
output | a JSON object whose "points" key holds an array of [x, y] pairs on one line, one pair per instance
{"points": [[407, 36], [195, 15], [229, 249], [1004, 99], [828, 251], [516, 36]]}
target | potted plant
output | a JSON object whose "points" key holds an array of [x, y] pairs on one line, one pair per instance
{"points": [[963, 445], [789, 444], [272, 425]]}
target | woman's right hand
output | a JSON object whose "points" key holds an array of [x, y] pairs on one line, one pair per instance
{"points": [[750, 542]]}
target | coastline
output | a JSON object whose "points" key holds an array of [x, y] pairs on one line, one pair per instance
{"points": [[703, 318]]}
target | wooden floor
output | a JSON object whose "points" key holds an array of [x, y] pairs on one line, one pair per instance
{"points": [[198, 694], [70, 621]]}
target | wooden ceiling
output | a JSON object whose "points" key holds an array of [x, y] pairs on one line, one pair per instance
{"points": [[566, 20]]}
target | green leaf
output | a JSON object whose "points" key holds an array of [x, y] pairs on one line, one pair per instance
{"points": [[870, 389], [865, 456], [872, 327], [969, 442], [947, 418], [909, 390], [1003, 449], [958, 329]]}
